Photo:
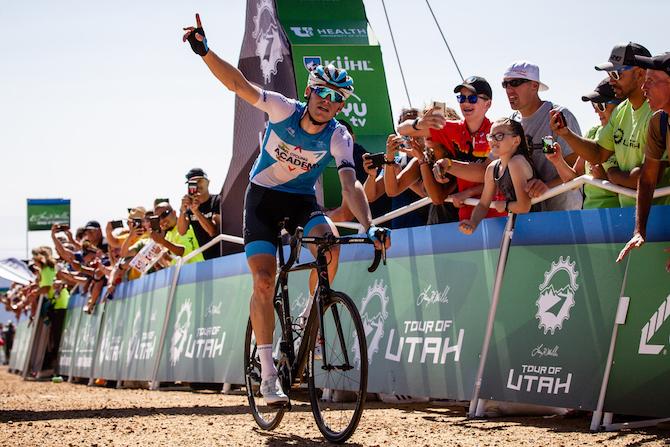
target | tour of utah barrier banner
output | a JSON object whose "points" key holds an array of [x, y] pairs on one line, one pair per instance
{"points": [[69, 335], [207, 324], [17, 357], [638, 382], [557, 307], [87, 337], [131, 328]]}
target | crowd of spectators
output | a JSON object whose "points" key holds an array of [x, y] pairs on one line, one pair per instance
{"points": [[435, 153]]}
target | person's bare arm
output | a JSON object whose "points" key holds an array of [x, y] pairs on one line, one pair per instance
{"points": [[628, 179], [182, 221], [589, 150], [354, 198]]}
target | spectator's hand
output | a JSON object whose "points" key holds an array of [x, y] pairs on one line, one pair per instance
{"points": [[500, 205], [466, 226], [415, 149], [440, 169], [535, 188], [157, 237], [431, 120], [557, 155], [367, 166], [185, 203], [597, 171], [393, 143], [196, 37], [195, 203], [556, 124], [458, 199], [636, 241]]}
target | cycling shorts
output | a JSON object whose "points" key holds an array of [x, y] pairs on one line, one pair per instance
{"points": [[265, 208]]}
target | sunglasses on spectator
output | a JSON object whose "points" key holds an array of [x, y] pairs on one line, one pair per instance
{"points": [[498, 136], [325, 92], [472, 99], [514, 82], [164, 214], [616, 74], [602, 106]]}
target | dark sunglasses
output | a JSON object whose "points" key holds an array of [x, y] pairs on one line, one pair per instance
{"points": [[514, 82], [164, 214], [602, 106], [325, 92], [472, 99]]}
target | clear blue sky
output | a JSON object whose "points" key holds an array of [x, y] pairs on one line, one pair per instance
{"points": [[100, 102]]}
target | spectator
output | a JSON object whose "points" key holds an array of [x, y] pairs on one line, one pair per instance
{"points": [[202, 211], [604, 102], [626, 133], [464, 139], [8, 336], [657, 90], [522, 84], [510, 173], [170, 238]]}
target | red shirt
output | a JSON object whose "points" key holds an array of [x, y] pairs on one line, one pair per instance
{"points": [[468, 147]]}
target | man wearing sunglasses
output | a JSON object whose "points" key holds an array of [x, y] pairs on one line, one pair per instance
{"points": [[626, 133], [168, 236], [465, 140], [522, 85], [656, 89], [300, 140]]}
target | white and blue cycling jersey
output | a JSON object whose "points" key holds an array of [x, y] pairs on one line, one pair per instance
{"points": [[290, 159]]}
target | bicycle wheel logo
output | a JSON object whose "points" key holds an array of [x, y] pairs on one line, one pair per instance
{"points": [[374, 315], [181, 327], [557, 296]]}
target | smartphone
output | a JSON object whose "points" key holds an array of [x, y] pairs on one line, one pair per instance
{"points": [[155, 223], [192, 187], [116, 224], [137, 223], [561, 120], [63, 227], [439, 108], [548, 144], [378, 159]]}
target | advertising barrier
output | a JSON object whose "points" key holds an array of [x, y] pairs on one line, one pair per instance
{"points": [[17, 357], [86, 338], [638, 380], [69, 336], [556, 312]]}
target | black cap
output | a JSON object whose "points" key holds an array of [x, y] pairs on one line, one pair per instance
{"points": [[604, 92], [195, 173], [660, 62], [476, 84], [623, 54], [92, 225]]}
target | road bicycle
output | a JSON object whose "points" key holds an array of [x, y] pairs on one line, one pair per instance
{"points": [[328, 351]]}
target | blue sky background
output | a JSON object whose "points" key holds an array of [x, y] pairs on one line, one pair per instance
{"points": [[100, 102]]}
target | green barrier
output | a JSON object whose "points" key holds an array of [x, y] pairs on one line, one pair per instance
{"points": [[17, 358], [556, 312], [131, 328], [638, 380], [69, 337], [86, 341]]}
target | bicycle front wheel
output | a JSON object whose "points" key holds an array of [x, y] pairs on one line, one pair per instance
{"points": [[338, 369], [267, 417]]}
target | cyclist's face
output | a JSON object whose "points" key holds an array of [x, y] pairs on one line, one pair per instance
{"points": [[322, 109]]}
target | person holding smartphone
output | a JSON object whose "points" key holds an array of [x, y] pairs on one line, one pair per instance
{"points": [[201, 211], [164, 231]]}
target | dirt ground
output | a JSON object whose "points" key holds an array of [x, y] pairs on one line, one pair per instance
{"points": [[45, 414]]}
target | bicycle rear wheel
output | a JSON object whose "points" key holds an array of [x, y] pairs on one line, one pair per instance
{"points": [[338, 371], [267, 417]]}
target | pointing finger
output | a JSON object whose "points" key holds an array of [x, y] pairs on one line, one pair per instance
{"points": [[197, 20]]}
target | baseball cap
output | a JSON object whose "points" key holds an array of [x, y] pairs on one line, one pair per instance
{"points": [[195, 173], [92, 225], [623, 54], [476, 84], [660, 62], [604, 92], [525, 70]]}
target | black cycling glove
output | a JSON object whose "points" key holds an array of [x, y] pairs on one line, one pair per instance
{"points": [[198, 47]]}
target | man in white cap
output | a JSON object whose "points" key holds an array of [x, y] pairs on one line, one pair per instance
{"points": [[522, 84]]}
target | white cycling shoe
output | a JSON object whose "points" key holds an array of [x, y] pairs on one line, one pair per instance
{"points": [[272, 392]]}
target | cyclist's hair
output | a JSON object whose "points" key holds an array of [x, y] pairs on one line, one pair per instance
{"points": [[517, 129]]}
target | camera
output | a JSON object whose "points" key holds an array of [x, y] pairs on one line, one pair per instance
{"points": [[378, 159], [137, 223], [155, 223], [192, 187], [548, 144], [116, 224]]}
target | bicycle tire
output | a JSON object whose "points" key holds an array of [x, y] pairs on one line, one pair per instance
{"points": [[267, 417], [337, 418]]}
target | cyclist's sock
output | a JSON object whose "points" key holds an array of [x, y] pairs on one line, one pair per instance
{"points": [[268, 368]]}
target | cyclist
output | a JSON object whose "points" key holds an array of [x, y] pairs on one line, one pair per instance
{"points": [[300, 140]]}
